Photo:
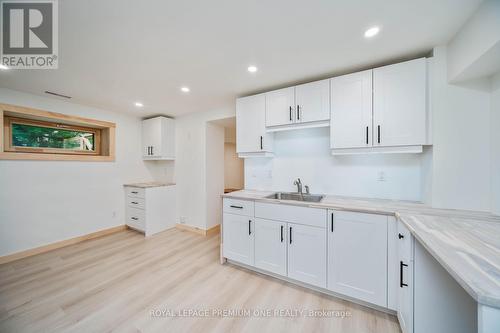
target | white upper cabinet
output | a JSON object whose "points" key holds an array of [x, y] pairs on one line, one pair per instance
{"points": [[399, 104], [251, 136], [351, 110], [158, 138], [357, 256], [306, 105], [312, 102], [280, 107], [380, 110]]}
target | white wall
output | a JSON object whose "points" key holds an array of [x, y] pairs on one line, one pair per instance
{"points": [[495, 145], [190, 165], [461, 142], [306, 154], [214, 173], [474, 51], [233, 167], [42, 202]]}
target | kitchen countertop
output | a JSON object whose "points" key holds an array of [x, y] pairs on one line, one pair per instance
{"points": [[149, 184], [465, 243]]}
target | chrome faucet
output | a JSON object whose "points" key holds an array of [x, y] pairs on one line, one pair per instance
{"points": [[299, 185]]}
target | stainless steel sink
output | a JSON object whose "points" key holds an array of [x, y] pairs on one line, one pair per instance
{"points": [[295, 196]]}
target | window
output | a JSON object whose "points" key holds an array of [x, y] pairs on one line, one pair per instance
{"points": [[27, 135], [31, 134]]}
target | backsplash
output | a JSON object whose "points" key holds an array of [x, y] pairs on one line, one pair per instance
{"points": [[306, 154]]}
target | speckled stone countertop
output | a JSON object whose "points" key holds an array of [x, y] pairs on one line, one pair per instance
{"points": [[465, 243], [149, 184]]}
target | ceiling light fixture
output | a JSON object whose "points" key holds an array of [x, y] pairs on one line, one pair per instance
{"points": [[185, 89], [139, 104], [373, 31], [3, 67], [252, 69]]}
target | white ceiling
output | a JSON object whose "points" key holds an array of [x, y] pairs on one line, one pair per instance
{"points": [[115, 52]]}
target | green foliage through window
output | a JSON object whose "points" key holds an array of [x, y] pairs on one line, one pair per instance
{"points": [[45, 137]]}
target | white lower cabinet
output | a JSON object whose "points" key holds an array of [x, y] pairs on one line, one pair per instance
{"points": [[238, 238], [357, 256], [405, 283], [270, 246], [345, 252], [307, 254], [150, 210]]}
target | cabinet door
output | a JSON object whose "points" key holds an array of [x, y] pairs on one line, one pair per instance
{"points": [[312, 101], [399, 104], [280, 107], [351, 110], [405, 281], [168, 138], [151, 137], [250, 125], [307, 254], [270, 246], [238, 238], [357, 256]]}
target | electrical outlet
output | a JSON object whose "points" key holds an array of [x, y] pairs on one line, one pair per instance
{"points": [[113, 214], [182, 219]]}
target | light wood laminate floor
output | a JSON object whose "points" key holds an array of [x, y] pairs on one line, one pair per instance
{"points": [[115, 282]]}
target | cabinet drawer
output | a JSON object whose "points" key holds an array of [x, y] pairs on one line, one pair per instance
{"points": [[315, 217], [136, 218], [239, 207], [136, 203], [135, 192]]}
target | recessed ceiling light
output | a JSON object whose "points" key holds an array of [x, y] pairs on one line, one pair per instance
{"points": [[139, 104], [252, 69], [185, 89], [372, 32], [3, 67]]}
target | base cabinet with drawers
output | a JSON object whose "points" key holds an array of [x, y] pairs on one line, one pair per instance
{"points": [[343, 252], [284, 240], [150, 209]]}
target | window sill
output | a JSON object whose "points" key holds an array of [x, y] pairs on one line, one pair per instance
{"points": [[55, 157]]}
